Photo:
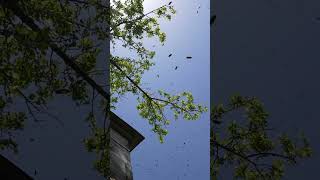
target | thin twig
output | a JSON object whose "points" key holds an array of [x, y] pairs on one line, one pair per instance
{"points": [[255, 165], [140, 17], [271, 154]]}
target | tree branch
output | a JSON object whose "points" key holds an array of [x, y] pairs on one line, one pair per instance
{"points": [[255, 165], [28, 101], [144, 92], [87, 3], [68, 61], [271, 154], [140, 17]]}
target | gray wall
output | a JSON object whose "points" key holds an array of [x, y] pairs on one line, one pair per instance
{"points": [[120, 164]]}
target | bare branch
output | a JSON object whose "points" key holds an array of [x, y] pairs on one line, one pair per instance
{"points": [[271, 154], [29, 102]]}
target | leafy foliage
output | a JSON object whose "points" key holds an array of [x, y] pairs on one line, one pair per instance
{"points": [[126, 75], [55, 47], [250, 146]]}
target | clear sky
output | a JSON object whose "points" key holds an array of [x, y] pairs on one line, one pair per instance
{"points": [[56, 151], [185, 152]]}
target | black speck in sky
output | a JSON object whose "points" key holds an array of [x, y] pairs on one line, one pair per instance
{"points": [[170, 55]]}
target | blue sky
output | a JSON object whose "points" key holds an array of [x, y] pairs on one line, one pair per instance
{"points": [[185, 152]]}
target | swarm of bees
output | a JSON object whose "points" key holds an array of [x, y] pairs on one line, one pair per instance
{"points": [[176, 67]]}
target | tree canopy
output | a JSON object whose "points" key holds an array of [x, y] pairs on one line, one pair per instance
{"points": [[249, 145], [58, 47]]}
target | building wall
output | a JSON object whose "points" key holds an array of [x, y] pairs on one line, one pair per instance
{"points": [[120, 164]]}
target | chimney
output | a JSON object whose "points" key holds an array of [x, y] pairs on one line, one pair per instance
{"points": [[123, 139]]}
